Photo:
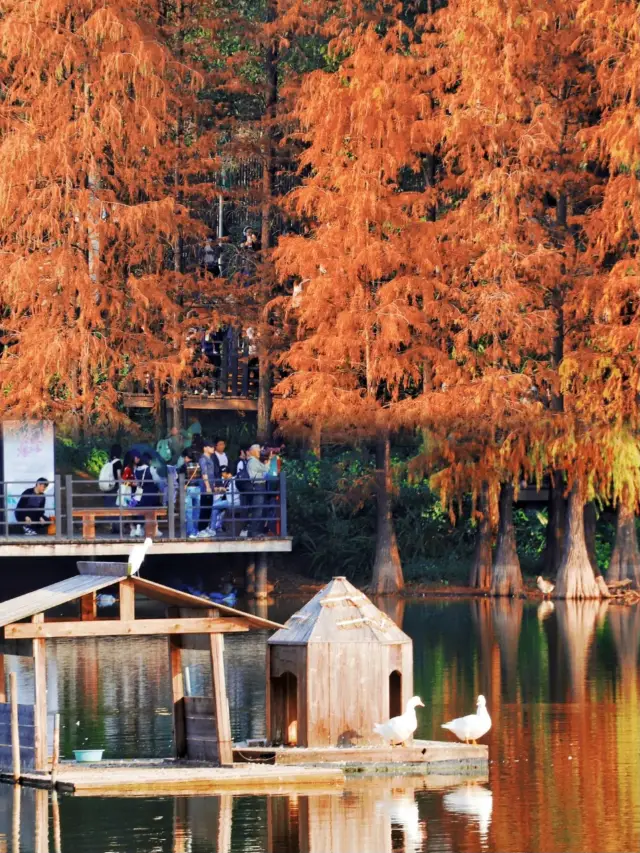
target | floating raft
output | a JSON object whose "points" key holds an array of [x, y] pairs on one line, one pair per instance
{"points": [[424, 756], [144, 779]]}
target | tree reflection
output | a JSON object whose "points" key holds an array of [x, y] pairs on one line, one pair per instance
{"points": [[507, 623], [576, 621]]}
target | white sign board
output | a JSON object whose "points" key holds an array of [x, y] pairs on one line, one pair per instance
{"points": [[27, 454]]}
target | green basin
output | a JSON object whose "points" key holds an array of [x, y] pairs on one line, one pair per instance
{"points": [[88, 754]]}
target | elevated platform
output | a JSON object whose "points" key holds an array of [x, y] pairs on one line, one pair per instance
{"points": [[423, 756], [22, 546]]}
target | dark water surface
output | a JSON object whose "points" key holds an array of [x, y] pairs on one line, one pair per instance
{"points": [[562, 688]]}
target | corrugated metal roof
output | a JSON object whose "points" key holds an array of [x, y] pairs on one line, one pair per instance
{"points": [[339, 613], [54, 595]]}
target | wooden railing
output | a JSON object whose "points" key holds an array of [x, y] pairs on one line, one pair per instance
{"points": [[77, 510]]}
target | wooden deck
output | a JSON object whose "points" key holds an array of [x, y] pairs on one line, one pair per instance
{"points": [[429, 754], [22, 546], [161, 778]]}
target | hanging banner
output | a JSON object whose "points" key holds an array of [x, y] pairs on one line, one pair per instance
{"points": [[28, 453]]}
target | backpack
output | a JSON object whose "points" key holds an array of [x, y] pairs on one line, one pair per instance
{"points": [[106, 479], [243, 480], [163, 449]]}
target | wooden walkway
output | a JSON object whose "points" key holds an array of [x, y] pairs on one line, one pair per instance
{"points": [[34, 546]]}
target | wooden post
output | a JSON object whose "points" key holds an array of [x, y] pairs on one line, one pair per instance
{"points": [[127, 601], [177, 690], [88, 607], [220, 702], [55, 760], [250, 575], [3, 680], [261, 576], [40, 710], [15, 731]]}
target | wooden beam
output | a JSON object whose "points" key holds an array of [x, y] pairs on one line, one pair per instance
{"points": [[40, 681], [88, 607], [158, 592], [177, 690], [127, 601], [117, 628], [220, 702]]}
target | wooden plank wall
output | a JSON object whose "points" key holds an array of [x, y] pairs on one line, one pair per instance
{"points": [[200, 729], [26, 730]]}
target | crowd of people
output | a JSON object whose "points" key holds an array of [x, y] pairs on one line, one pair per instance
{"points": [[216, 491]]}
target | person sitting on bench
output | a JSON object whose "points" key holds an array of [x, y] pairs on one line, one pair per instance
{"points": [[30, 508]]}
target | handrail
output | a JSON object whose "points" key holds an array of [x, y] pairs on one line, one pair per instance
{"points": [[174, 510]]}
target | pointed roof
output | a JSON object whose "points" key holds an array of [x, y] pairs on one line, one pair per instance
{"points": [[339, 613]]}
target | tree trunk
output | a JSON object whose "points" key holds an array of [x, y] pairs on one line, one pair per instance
{"points": [[507, 577], [557, 509], [480, 577], [387, 569], [625, 558], [590, 534], [575, 575], [265, 371]]}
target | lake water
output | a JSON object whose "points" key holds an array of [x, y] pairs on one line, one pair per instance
{"points": [[562, 688]]}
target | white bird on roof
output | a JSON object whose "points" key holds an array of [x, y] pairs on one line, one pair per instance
{"points": [[137, 555], [545, 587], [473, 726], [399, 729]]}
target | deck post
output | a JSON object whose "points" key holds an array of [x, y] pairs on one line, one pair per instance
{"points": [[220, 701], [127, 601], [171, 507], [15, 731], [40, 710], [250, 575], [68, 491], [3, 680], [177, 690], [261, 575], [57, 498]]}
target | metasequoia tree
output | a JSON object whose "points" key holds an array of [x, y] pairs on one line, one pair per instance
{"points": [[361, 317], [611, 42], [91, 98]]}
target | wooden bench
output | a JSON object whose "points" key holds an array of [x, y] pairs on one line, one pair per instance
{"points": [[151, 517]]}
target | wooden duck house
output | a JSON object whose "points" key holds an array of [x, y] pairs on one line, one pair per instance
{"points": [[337, 667]]}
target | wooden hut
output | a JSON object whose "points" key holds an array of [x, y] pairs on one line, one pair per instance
{"points": [[338, 666], [202, 728]]}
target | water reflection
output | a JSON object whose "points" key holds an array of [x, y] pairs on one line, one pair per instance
{"points": [[564, 695], [473, 801]]}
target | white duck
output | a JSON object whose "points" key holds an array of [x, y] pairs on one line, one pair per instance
{"points": [[399, 729], [545, 587], [137, 555], [473, 726]]}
